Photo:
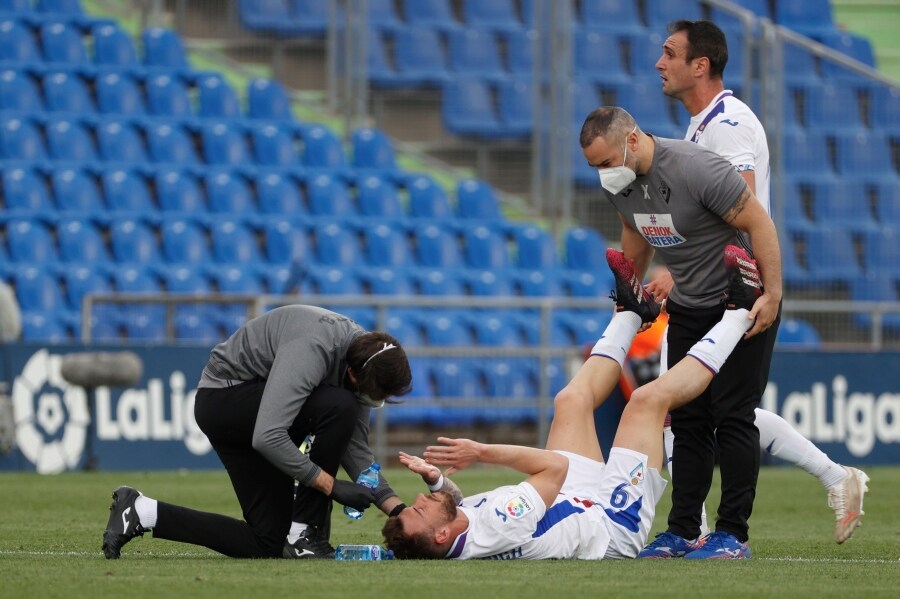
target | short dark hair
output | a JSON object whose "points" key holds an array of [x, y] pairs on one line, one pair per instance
{"points": [[420, 546], [387, 373], [704, 39], [605, 121]]}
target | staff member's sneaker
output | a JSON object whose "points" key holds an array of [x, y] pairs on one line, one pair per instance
{"points": [[744, 281], [668, 545], [123, 524], [846, 499], [308, 546], [629, 294], [721, 545]]}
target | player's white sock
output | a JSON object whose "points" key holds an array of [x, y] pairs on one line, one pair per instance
{"points": [[780, 439], [146, 511], [297, 529], [719, 342], [617, 337]]}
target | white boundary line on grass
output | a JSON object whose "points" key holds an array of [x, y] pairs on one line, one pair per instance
{"points": [[812, 560]]}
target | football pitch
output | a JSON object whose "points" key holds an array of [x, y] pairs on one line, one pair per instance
{"points": [[51, 528]]}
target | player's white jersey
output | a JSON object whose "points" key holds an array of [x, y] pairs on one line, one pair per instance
{"points": [[729, 128]]}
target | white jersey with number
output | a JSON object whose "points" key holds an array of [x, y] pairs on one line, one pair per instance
{"points": [[735, 134]]}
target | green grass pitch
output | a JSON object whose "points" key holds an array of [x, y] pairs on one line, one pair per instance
{"points": [[51, 528]]}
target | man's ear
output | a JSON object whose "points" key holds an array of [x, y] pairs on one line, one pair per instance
{"points": [[442, 534], [701, 65], [351, 375]]}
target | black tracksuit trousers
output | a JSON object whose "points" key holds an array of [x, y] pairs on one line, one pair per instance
{"points": [[722, 418], [266, 494]]}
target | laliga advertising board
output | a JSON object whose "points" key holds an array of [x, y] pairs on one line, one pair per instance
{"points": [[846, 403]]}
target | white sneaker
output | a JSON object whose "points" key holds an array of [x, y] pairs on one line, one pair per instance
{"points": [[846, 500]]}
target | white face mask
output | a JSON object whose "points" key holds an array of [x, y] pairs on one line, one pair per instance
{"points": [[366, 400], [617, 178]]}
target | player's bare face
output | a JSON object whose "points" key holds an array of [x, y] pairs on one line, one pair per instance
{"points": [[673, 67], [428, 512]]}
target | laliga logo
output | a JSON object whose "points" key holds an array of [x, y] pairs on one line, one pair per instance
{"points": [[52, 436]]}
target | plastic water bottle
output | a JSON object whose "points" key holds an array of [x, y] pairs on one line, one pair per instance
{"points": [[362, 553], [367, 478]]}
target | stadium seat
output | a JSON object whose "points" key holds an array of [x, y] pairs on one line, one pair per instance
{"points": [[62, 44], [727, 20], [126, 191], [520, 52], [184, 279], [79, 281], [80, 242], [797, 334], [379, 58], [854, 46], [16, 7], [38, 290], [648, 106], [24, 189], [168, 96], [286, 243], [808, 155], [801, 67], [329, 195], [118, 141], [586, 325], [337, 246], [879, 288], [169, 143], [18, 93], [796, 217], [419, 56], [277, 194], [217, 99], [887, 203], [133, 241], [440, 282], [224, 144], [267, 16], [485, 247], [476, 199], [864, 156], [430, 13], [179, 192], [496, 330], [113, 47], [386, 281], [539, 283], [616, 17], [585, 249], [833, 107], [70, 140], [535, 248], [322, 148], [45, 327], [840, 204], [507, 379], [163, 48], [427, 199], [378, 197], [310, 17], [446, 329], [67, 92], [18, 48], [881, 252], [598, 58], [234, 243], [515, 101], [184, 242], [495, 282], [473, 52], [588, 283], [456, 379], [76, 191], [141, 321], [21, 140], [496, 15], [662, 12], [830, 256], [467, 108], [885, 108], [268, 99], [437, 247], [809, 17], [373, 150], [383, 16], [334, 281], [228, 193], [119, 94]]}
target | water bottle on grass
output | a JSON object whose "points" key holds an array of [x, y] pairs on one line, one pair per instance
{"points": [[367, 478], [362, 553]]}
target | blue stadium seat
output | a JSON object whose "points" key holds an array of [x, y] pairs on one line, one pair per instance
{"points": [[310, 17], [141, 321], [113, 47], [16, 7], [126, 191], [133, 241], [467, 108], [236, 280], [887, 202], [885, 108], [168, 96], [809, 17], [24, 189], [334, 281], [808, 156], [38, 290], [163, 48], [796, 217], [79, 281], [649, 107], [62, 43], [268, 99], [184, 242], [169, 143], [379, 58], [727, 20], [224, 144], [515, 100], [286, 243], [373, 150], [492, 282], [536, 248], [616, 17], [273, 16], [507, 379], [879, 288], [70, 140], [801, 67], [217, 99], [437, 247], [864, 156], [18, 48], [228, 193], [80, 242], [179, 191], [520, 52], [795, 274], [419, 56], [386, 281], [322, 148], [497, 15], [119, 94], [430, 13], [337, 246], [662, 12], [881, 252], [456, 379], [197, 327], [329, 195], [830, 256], [427, 199], [76, 191], [543, 282], [588, 283], [446, 328], [485, 247], [383, 16], [585, 249], [18, 93], [598, 58], [476, 199], [440, 282], [39, 326], [119, 141], [234, 243], [586, 325], [473, 52], [183, 279], [30, 241], [854, 46], [378, 197], [21, 140], [797, 334], [496, 330], [833, 107], [277, 194], [838, 204]]}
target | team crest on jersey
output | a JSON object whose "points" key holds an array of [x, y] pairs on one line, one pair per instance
{"points": [[664, 191], [637, 475], [658, 229], [518, 507]]}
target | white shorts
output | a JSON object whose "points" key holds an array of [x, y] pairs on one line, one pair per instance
{"points": [[626, 488]]}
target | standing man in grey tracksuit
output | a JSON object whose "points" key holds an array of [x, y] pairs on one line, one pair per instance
{"points": [[293, 374]]}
